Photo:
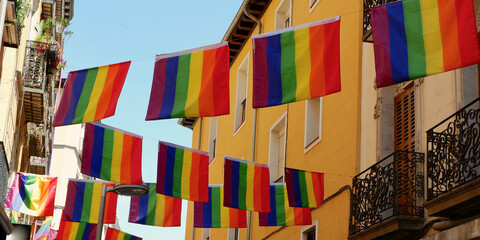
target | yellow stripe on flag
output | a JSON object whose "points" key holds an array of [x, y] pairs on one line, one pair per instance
{"points": [[160, 210], [302, 63], [310, 192], [194, 84], [250, 177], [289, 213], [73, 230], [224, 212], [116, 157], [95, 205], [432, 37], [95, 96], [186, 169]]}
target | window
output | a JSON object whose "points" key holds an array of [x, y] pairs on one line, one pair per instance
{"points": [[278, 140], [206, 234], [313, 4], [241, 99], [310, 232], [283, 16], [212, 139], [233, 234], [313, 123]]}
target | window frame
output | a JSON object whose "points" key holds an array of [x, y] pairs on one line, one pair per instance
{"points": [[245, 65], [312, 5], [213, 140], [308, 228], [274, 129], [283, 13], [309, 145]]}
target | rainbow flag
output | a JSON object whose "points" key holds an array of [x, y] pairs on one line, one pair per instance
{"points": [[214, 215], [182, 172], [418, 38], [297, 63], [191, 83], [155, 209], [112, 154], [76, 231], [282, 214], [305, 189], [114, 234], [45, 233], [32, 195], [246, 185], [83, 202], [91, 94]]}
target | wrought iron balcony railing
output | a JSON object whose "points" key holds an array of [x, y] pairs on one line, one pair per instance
{"points": [[453, 156], [392, 187], [3, 174], [34, 68], [367, 22]]}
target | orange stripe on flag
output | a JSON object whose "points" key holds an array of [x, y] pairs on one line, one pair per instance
{"points": [[205, 99], [317, 53]]}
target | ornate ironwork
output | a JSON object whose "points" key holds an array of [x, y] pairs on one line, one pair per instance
{"points": [[453, 156], [391, 187], [34, 68], [367, 22], [3, 174]]}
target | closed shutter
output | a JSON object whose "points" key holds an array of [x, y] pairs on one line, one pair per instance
{"points": [[405, 119]]}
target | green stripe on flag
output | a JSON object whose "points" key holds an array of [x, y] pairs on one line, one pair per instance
{"points": [[152, 204], [177, 173], [80, 231], [181, 89], [216, 214], [85, 95], [303, 188], [107, 155], [242, 185], [288, 72], [87, 202], [29, 186], [417, 65], [280, 201]]}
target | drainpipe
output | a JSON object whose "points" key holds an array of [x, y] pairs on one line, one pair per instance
{"points": [[199, 145], [254, 129]]}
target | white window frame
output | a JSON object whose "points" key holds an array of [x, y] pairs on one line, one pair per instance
{"points": [[231, 234], [309, 116], [243, 69], [283, 11], [212, 139], [206, 234], [305, 229], [312, 6], [274, 147]]}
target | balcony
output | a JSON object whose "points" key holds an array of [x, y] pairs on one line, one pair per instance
{"points": [[453, 164], [387, 198], [367, 22]]}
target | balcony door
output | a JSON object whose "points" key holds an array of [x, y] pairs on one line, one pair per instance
{"points": [[404, 127]]}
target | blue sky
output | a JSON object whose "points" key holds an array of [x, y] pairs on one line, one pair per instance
{"points": [[108, 31]]}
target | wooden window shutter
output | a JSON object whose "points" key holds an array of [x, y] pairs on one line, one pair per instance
{"points": [[405, 119]]}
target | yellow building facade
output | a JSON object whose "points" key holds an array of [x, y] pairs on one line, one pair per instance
{"points": [[321, 135]]}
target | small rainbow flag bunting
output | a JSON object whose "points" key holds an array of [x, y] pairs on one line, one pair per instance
{"points": [[246, 185], [305, 189], [32, 195], [76, 230], [418, 38], [297, 63], [182, 172], [91, 94], [155, 209], [114, 234], [214, 215], [282, 214], [191, 83], [83, 202], [112, 154]]}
